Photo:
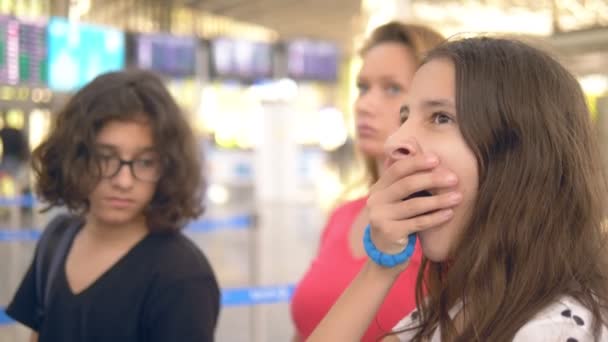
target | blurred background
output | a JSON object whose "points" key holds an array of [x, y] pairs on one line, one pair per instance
{"points": [[268, 87]]}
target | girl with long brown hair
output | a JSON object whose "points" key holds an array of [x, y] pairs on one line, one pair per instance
{"points": [[495, 169]]}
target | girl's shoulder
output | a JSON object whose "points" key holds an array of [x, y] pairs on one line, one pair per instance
{"points": [[564, 320]]}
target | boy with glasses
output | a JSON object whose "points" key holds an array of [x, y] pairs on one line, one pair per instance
{"points": [[123, 159]]}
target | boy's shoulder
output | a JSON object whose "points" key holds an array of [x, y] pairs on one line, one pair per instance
{"points": [[177, 257]]}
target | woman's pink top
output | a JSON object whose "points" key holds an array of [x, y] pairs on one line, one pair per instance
{"points": [[335, 267]]}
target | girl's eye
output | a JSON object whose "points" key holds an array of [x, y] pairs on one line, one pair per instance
{"points": [[441, 118]]}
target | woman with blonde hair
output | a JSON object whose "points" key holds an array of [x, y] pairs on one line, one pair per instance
{"points": [[390, 57]]}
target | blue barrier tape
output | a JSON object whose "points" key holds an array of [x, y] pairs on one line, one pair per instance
{"points": [[236, 222], [231, 297], [21, 201], [28, 234], [4, 319], [248, 296]]}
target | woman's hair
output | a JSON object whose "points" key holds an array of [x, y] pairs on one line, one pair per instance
{"points": [[419, 39], [67, 170], [535, 233]]}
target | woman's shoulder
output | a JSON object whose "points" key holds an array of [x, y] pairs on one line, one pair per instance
{"points": [[565, 319], [349, 208]]}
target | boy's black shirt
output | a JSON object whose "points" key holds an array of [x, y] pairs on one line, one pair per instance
{"points": [[163, 289]]}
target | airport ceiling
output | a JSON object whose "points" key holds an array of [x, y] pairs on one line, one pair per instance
{"points": [[335, 20], [341, 20]]}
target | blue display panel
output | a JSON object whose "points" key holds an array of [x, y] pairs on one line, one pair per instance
{"points": [[79, 52]]}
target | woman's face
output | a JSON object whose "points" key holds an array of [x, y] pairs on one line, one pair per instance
{"points": [[383, 83]]}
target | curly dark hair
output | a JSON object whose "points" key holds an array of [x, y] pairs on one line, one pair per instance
{"points": [[67, 171]]}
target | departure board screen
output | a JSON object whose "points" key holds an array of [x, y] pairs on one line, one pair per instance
{"points": [[172, 56], [240, 58], [80, 52], [312, 60], [33, 61], [23, 52]]}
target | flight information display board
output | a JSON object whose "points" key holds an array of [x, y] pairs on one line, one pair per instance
{"points": [[173, 56], [23, 52], [311, 60], [241, 59], [80, 52]]}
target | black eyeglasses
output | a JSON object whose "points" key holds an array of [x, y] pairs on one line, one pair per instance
{"points": [[147, 169]]}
